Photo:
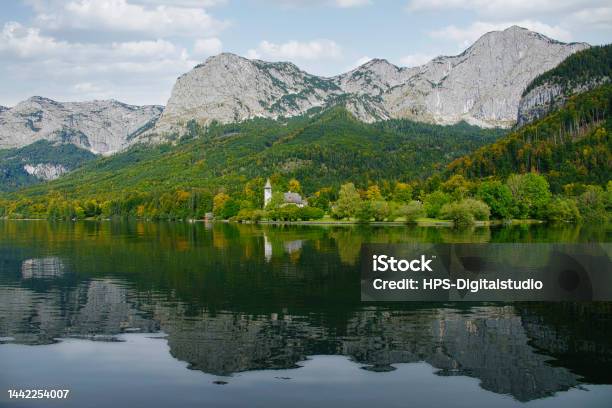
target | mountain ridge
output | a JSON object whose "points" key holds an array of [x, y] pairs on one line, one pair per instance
{"points": [[100, 126], [482, 86]]}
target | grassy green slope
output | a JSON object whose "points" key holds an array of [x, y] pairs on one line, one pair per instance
{"points": [[327, 149]]}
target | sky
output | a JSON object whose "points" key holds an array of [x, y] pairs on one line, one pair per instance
{"points": [[133, 50]]}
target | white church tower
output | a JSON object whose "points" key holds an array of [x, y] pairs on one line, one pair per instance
{"points": [[267, 193]]}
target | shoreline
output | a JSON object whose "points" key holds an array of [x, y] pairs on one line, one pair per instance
{"points": [[420, 223]]}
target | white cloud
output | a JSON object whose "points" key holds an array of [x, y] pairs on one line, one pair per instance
{"points": [[149, 49], [600, 18], [78, 71], [352, 3], [465, 36], [182, 3], [18, 43], [504, 9], [570, 16], [414, 60], [205, 47], [28, 42], [296, 50], [318, 3], [94, 91], [131, 50], [90, 48], [121, 16], [87, 87]]}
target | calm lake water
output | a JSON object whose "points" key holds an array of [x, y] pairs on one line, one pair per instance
{"points": [[170, 314]]}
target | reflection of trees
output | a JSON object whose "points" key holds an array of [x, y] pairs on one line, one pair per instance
{"points": [[348, 244], [466, 235], [549, 233], [219, 237]]}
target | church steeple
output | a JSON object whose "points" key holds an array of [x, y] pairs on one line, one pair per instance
{"points": [[267, 192]]}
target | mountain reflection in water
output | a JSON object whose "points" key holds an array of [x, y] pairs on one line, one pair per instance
{"points": [[237, 298]]}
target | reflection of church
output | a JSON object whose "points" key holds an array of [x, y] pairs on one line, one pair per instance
{"points": [[290, 247], [288, 197]]}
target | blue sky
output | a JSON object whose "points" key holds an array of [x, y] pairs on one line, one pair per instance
{"points": [[133, 50]]}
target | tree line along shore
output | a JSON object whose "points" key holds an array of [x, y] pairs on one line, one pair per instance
{"points": [[456, 201]]}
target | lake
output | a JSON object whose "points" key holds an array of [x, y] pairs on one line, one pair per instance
{"points": [[129, 313]]}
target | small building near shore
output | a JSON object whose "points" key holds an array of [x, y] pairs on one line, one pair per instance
{"points": [[288, 197]]}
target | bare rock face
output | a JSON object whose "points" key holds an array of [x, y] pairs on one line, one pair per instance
{"points": [[102, 127], [539, 101], [482, 85], [45, 171]]}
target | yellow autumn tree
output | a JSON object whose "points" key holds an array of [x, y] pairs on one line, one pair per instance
{"points": [[294, 186], [219, 202], [373, 193]]}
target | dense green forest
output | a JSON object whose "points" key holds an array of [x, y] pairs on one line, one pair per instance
{"points": [[12, 173], [592, 64], [571, 145]]}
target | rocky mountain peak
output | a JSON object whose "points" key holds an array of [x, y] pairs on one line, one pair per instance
{"points": [[372, 78], [511, 34], [230, 88], [37, 101], [40, 99], [224, 58], [377, 64]]}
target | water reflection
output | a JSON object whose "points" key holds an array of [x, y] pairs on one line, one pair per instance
{"points": [[240, 298]]}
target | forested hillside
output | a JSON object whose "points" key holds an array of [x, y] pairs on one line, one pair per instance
{"points": [[571, 145], [325, 150]]}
